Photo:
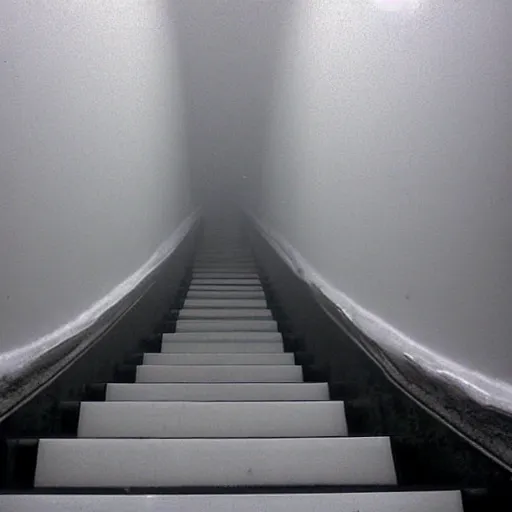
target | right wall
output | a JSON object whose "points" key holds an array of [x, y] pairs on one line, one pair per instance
{"points": [[388, 171]]}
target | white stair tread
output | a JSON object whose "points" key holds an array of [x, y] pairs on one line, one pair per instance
{"points": [[219, 392], [244, 336], [224, 288], [214, 462], [231, 262], [226, 276], [225, 294], [219, 359], [227, 250], [226, 325], [219, 373], [233, 256], [211, 419], [211, 274], [222, 260], [228, 303], [230, 281], [234, 269], [227, 253], [423, 501], [225, 313], [226, 267], [216, 284], [223, 347], [215, 272]]}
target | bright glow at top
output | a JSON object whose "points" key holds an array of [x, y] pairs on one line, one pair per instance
{"points": [[398, 5]]}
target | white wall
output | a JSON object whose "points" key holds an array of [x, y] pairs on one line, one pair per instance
{"points": [[389, 165], [92, 171]]}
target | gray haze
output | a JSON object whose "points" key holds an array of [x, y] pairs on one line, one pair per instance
{"points": [[229, 51], [374, 135]]}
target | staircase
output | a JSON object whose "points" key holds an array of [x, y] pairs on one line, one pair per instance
{"points": [[218, 419]]}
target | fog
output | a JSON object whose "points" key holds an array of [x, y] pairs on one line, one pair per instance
{"points": [[229, 50], [372, 135]]}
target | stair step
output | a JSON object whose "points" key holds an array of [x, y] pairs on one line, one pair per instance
{"points": [[225, 288], [222, 342], [225, 313], [231, 253], [226, 251], [227, 258], [231, 262], [219, 359], [219, 392], [422, 501], [225, 294], [231, 270], [197, 281], [217, 284], [228, 303], [226, 347], [244, 336], [224, 264], [211, 419], [219, 373], [202, 274], [226, 325], [215, 462], [206, 263]]}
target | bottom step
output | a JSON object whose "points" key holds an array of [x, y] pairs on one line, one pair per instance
{"points": [[447, 501], [218, 462]]}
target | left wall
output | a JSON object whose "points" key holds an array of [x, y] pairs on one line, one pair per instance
{"points": [[92, 173]]}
